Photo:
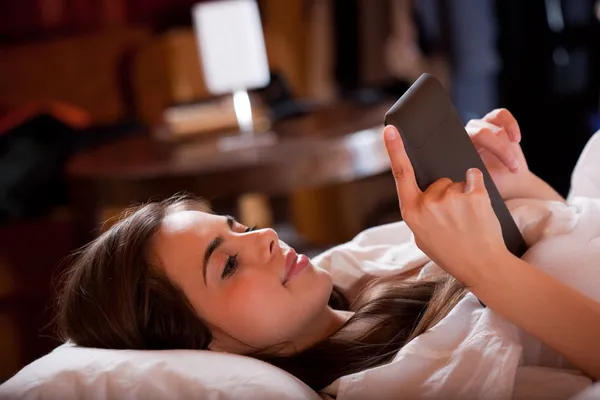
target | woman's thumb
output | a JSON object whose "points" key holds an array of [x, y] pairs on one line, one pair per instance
{"points": [[474, 181]]}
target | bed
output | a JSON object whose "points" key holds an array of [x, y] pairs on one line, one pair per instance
{"points": [[472, 353]]}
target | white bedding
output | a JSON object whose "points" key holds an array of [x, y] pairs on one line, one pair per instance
{"points": [[474, 353]]}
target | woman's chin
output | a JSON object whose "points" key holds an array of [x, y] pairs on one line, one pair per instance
{"points": [[312, 278]]}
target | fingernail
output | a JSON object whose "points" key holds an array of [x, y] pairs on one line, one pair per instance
{"points": [[389, 134], [470, 178]]}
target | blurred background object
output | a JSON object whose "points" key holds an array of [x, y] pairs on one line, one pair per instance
{"points": [[234, 60], [550, 54], [105, 103]]}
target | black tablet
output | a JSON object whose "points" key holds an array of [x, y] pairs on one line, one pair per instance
{"points": [[438, 146]]}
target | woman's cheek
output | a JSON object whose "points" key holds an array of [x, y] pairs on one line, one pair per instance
{"points": [[257, 313], [255, 296]]}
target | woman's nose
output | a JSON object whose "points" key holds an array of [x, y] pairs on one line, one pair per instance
{"points": [[267, 243]]}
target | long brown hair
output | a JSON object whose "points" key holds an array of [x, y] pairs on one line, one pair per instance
{"points": [[113, 296]]}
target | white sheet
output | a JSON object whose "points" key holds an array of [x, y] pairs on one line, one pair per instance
{"points": [[474, 353]]}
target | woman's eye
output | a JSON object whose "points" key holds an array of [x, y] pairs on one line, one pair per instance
{"points": [[230, 267], [251, 229]]}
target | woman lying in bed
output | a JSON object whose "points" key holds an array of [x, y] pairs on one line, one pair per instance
{"points": [[171, 275]]}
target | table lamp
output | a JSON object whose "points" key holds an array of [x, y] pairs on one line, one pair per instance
{"points": [[234, 60]]}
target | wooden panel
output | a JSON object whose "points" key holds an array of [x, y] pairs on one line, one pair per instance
{"points": [[374, 31], [150, 78], [167, 71], [113, 11], [30, 257], [185, 70], [8, 284], [337, 213], [84, 71], [51, 12], [320, 52], [18, 17], [27, 19], [152, 10], [285, 29], [10, 346]]}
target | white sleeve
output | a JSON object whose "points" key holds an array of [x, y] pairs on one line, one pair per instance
{"points": [[585, 180]]}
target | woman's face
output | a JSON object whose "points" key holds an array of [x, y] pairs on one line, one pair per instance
{"points": [[247, 284]]}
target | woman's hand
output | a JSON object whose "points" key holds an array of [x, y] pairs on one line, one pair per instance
{"points": [[453, 222], [496, 137], [455, 225]]}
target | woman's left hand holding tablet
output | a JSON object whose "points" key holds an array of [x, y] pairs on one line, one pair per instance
{"points": [[453, 222]]}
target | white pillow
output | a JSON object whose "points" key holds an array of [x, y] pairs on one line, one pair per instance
{"points": [[71, 372], [585, 180]]}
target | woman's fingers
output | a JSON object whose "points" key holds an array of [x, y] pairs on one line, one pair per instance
{"points": [[503, 118], [404, 175], [438, 188], [451, 222], [489, 137]]}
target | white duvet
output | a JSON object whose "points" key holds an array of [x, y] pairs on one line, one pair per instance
{"points": [[473, 352]]}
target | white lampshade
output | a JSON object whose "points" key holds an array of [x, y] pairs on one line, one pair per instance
{"points": [[231, 45]]}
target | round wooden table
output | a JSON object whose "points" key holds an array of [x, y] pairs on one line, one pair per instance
{"points": [[332, 146]]}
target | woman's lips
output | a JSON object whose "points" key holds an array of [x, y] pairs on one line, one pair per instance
{"points": [[294, 263]]}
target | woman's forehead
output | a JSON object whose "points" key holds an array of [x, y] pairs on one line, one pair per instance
{"points": [[190, 220]]}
